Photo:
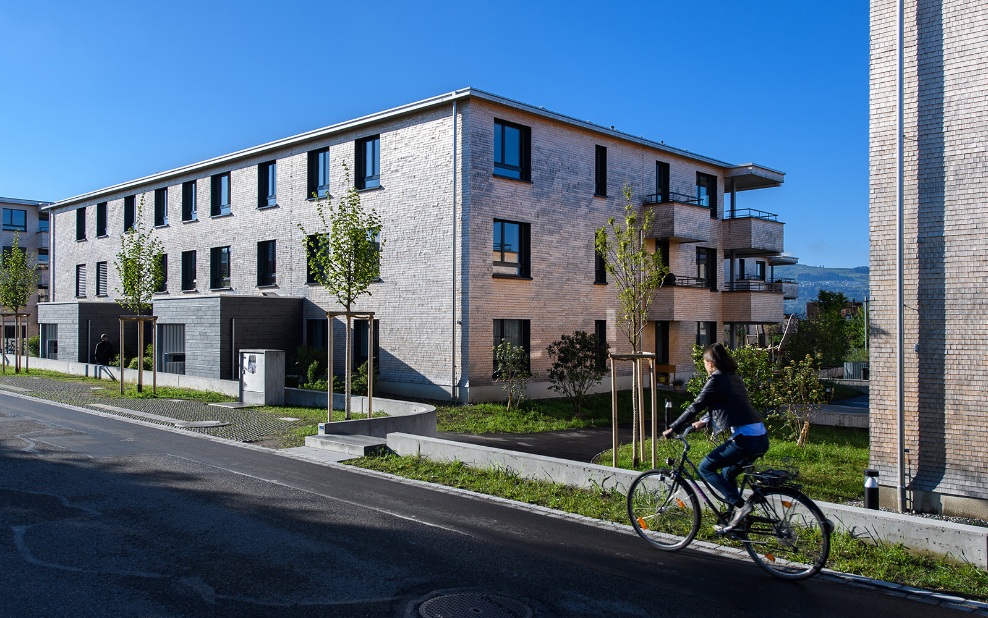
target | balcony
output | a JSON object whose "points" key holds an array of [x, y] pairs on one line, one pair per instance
{"points": [[679, 217], [684, 298], [753, 300], [752, 232]]}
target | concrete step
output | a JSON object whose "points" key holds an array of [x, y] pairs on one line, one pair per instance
{"points": [[350, 444]]}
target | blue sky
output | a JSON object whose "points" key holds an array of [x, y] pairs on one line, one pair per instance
{"points": [[98, 93]]}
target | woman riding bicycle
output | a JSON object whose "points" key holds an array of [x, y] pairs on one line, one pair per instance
{"points": [[728, 407]]}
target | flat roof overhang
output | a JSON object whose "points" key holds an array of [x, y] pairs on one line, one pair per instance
{"points": [[751, 176]]}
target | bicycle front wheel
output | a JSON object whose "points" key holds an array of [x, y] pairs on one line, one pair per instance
{"points": [[787, 534], [663, 510]]}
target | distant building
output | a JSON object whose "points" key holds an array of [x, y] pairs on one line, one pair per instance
{"points": [[489, 209], [945, 291], [26, 219]]}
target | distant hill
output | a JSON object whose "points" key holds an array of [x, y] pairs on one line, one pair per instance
{"points": [[852, 282]]}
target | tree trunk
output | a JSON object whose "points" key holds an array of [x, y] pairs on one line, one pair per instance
{"points": [[347, 372], [804, 433]]}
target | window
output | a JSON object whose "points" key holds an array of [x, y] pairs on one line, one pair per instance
{"points": [[267, 184], [100, 279], [706, 333], [130, 212], [360, 337], [706, 192], [266, 262], [219, 267], [161, 206], [80, 280], [15, 219], [189, 201], [311, 248], [163, 286], [43, 256], [100, 219], [318, 173], [42, 221], [662, 343], [662, 181], [705, 271], [188, 270], [219, 195], [511, 242], [760, 271], [80, 223], [368, 158], [600, 330], [512, 150], [600, 171], [516, 332], [599, 267]]}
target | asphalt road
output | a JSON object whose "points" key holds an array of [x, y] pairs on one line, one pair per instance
{"points": [[103, 517]]}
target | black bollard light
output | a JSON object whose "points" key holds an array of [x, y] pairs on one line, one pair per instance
{"points": [[871, 489], [668, 413]]}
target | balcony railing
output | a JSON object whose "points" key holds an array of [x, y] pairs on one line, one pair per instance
{"points": [[672, 196], [754, 285], [751, 213], [685, 282]]}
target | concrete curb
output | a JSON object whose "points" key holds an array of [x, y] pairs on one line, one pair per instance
{"points": [[951, 541]]}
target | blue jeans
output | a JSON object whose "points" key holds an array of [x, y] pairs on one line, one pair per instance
{"points": [[722, 465]]}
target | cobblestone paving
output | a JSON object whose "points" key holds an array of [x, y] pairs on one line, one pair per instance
{"points": [[245, 424]]}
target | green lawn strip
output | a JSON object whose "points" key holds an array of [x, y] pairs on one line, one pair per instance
{"points": [[848, 555], [545, 414]]}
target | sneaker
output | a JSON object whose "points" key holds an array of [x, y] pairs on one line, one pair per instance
{"points": [[736, 520]]}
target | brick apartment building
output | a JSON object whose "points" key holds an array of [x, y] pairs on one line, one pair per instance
{"points": [[945, 331], [489, 209], [25, 218]]}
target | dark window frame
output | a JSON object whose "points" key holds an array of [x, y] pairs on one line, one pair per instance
{"points": [[190, 209], [189, 268], [267, 263], [524, 332], [44, 222], [161, 207], [101, 220], [101, 275], [163, 286], [706, 260], [600, 331], [704, 339], [129, 212], [662, 176], [317, 170], [706, 192], [217, 207], [360, 337], [80, 223], [310, 273], [267, 184], [368, 165], [599, 267], [662, 342], [8, 220], [600, 171], [523, 266], [504, 168], [220, 270], [80, 280]]}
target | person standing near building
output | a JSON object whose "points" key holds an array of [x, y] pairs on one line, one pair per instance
{"points": [[104, 351]]}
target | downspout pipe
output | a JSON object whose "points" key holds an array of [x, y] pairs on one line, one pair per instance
{"points": [[900, 253], [453, 391]]}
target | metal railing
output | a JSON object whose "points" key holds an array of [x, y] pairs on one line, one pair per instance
{"points": [[673, 197], [685, 282], [754, 285], [751, 213]]}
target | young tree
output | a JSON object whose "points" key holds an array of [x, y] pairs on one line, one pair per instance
{"points": [[345, 257], [511, 367], [139, 268], [638, 274], [579, 361], [18, 282], [799, 393]]}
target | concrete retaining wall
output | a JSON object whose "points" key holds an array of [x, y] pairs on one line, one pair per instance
{"points": [[956, 542]]}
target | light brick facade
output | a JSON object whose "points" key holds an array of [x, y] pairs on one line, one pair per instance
{"points": [[945, 129], [33, 237], [438, 297]]}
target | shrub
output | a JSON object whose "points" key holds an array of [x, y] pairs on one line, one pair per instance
{"points": [[511, 369], [579, 362]]}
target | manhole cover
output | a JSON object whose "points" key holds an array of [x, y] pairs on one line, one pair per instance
{"points": [[201, 424], [473, 604]]}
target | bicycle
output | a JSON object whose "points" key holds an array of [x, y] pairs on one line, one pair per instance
{"points": [[786, 533]]}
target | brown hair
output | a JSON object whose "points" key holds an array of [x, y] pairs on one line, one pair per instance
{"points": [[721, 359]]}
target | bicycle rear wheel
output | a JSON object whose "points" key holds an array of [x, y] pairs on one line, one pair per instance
{"points": [[787, 534], [663, 510]]}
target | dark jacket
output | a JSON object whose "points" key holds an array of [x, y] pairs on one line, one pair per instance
{"points": [[104, 352], [725, 396]]}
